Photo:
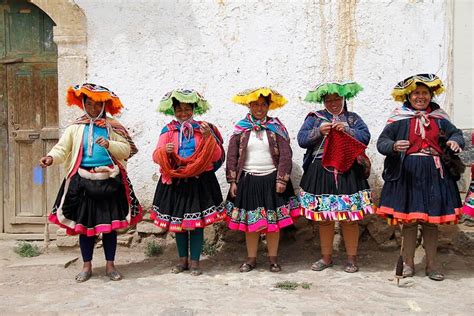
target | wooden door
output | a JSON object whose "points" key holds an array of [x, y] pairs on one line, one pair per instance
{"points": [[29, 84]]}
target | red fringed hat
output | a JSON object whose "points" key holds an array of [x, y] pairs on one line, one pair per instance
{"points": [[97, 93], [340, 150]]}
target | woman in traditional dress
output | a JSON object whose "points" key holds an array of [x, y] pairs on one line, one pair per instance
{"points": [[420, 188], [96, 196], [334, 185], [188, 196], [261, 197]]}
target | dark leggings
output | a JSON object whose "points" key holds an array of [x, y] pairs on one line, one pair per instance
{"points": [[195, 239], [109, 242]]}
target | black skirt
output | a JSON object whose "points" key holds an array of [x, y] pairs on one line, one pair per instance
{"points": [[258, 207], [422, 193], [91, 207], [326, 195], [188, 203]]}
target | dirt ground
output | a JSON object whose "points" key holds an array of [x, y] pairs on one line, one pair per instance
{"points": [[42, 285]]}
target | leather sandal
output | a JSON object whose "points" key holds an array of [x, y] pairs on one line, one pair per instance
{"points": [[408, 271], [435, 275], [179, 268], [246, 267], [83, 276], [274, 267], [114, 275], [351, 267], [195, 271], [320, 265]]}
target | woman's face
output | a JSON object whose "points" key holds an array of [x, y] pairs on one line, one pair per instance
{"points": [[259, 108], [92, 107], [183, 111], [420, 98], [333, 103]]}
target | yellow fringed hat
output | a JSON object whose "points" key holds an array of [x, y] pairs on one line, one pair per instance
{"points": [[97, 93], [407, 86], [251, 95]]}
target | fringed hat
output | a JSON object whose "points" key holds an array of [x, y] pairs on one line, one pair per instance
{"points": [[407, 86], [251, 95], [345, 89], [185, 96], [96, 93]]}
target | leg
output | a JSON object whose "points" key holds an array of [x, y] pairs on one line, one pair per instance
{"points": [[409, 233], [109, 241], [196, 241], [273, 239], [87, 250], [326, 236], [251, 240], [350, 232], [182, 241], [430, 243]]}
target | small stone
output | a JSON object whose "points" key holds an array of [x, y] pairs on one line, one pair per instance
{"points": [[149, 228], [389, 245], [379, 230], [67, 241], [124, 240]]}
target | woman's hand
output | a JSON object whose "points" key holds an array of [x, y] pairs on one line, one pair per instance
{"points": [[454, 146], [205, 129], [339, 126], [233, 190], [325, 128], [280, 187], [46, 161], [101, 141], [401, 145], [169, 148]]}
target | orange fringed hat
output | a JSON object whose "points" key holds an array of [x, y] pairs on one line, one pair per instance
{"points": [[97, 93]]}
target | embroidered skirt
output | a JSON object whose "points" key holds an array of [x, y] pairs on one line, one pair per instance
{"points": [[258, 208], [90, 207], [468, 207], [188, 203], [326, 196], [421, 193]]}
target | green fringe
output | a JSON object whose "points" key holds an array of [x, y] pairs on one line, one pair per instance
{"points": [[348, 90], [185, 96]]}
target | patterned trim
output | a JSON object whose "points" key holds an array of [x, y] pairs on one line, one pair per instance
{"points": [[395, 217], [261, 219], [89, 231], [190, 221], [332, 207]]}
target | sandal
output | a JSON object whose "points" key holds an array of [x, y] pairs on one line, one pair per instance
{"points": [[179, 268], [195, 271], [114, 275], [83, 276], [246, 267], [408, 271], [320, 265], [275, 267], [351, 267], [435, 275]]}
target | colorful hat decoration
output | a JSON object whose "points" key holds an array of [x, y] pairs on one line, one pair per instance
{"points": [[407, 86], [97, 93], [345, 89], [185, 96], [251, 95]]}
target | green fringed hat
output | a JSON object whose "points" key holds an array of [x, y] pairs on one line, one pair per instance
{"points": [[407, 86], [345, 89], [185, 96]]}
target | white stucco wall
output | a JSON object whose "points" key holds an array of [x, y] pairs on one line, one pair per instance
{"points": [[142, 49]]}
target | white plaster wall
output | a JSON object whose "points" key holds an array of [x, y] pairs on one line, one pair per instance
{"points": [[142, 49]]}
